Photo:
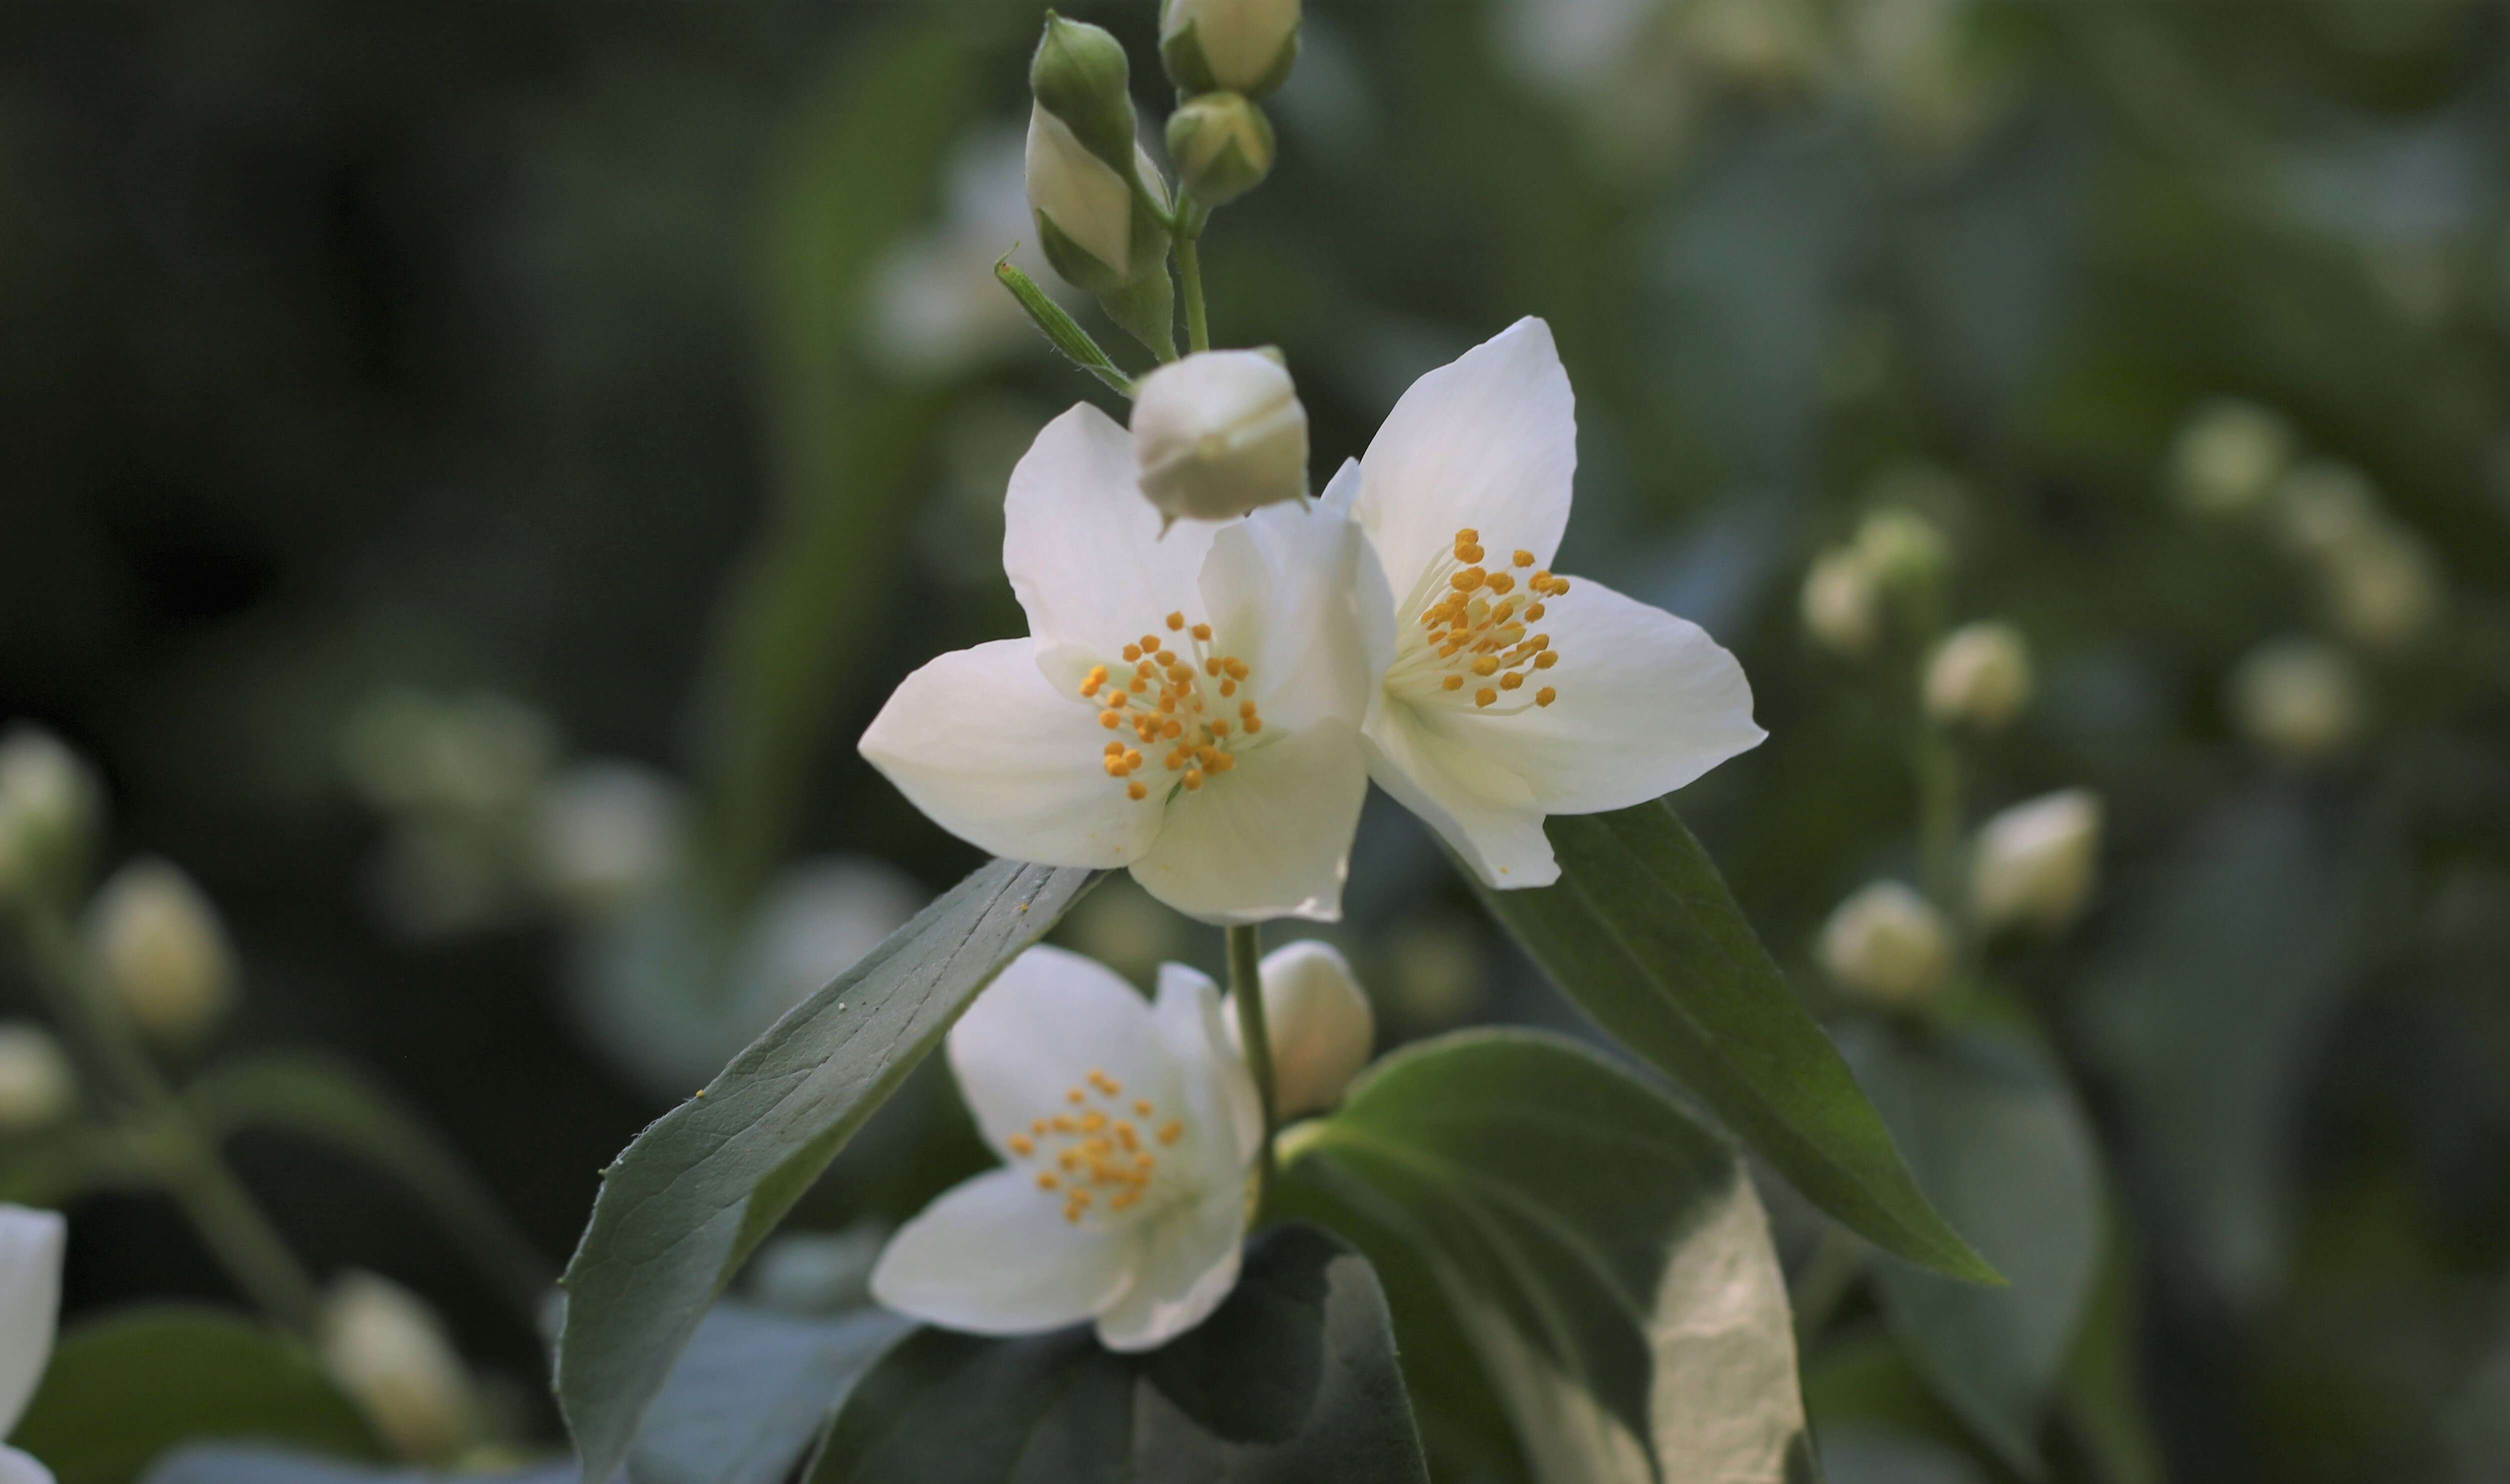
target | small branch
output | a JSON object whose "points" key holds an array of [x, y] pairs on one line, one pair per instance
{"points": [[1061, 330]]}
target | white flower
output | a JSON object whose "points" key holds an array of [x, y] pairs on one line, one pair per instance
{"points": [[37, 1083], [2227, 458], [1319, 1024], [2300, 701], [2036, 862], [1979, 676], [1842, 606], [30, 1305], [49, 805], [1510, 694], [1128, 1132], [1889, 944], [386, 1348], [157, 946], [1219, 434], [1187, 706]]}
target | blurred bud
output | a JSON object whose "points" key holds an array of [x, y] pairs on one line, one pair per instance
{"points": [[1903, 549], [2036, 862], [36, 1081], [157, 948], [1229, 46], [607, 834], [1081, 81], [1887, 944], [1222, 145], [1843, 609], [1218, 434], [2227, 458], [2324, 509], [1980, 677], [1433, 971], [2299, 700], [2385, 593], [384, 1347], [1319, 1023], [50, 809]]}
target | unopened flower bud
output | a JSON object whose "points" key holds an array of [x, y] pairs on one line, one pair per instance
{"points": [[1218, 434], [1319, 1023], [1085, 208], [1980, 677], [1843, 608], [609, 835], [2385, 593], [1229, 46], [385, 1348], [1887, 944], [2227, 458], [1903, 549], [36, 1083], [2299, 700], [159, 948], [1222, 145], [2324, 509], [50, 807], [1081, 78], [2036, 864]]}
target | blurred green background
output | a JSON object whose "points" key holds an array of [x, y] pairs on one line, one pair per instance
{"points": [[472, 470]]}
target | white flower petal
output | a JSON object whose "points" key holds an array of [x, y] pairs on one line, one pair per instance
{"points": [[1647, 703], [30, 1303], [1224, 1112], [980, 743], [1048, 1020], [1488, 443], [1084, 550], [1484, 812], [1297, 593], [993, 1256], [1269, 838], [1187, 1265], [16, 1467]]}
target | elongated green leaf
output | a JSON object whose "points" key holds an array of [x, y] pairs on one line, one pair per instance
{"points": [[1604, 1256], [1642, 934], [122, 1389], [699, 1190], [1998, 1141], [1292, 1381], [327, 1102]]}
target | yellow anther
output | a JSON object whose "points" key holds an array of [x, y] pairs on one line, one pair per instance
{"points": [[1141, 1107], [1219, 728], [1245, 709], [1236, 667], [1125, 1135], [1467, 580], [1254, 724], [1135, 791], [1176, 621], [1467, 536], [1485, 696], [1172, 728], [1092, 1121], [1150, 641], [1487, 665], [1452, 683], [1511, 681], [1103, 1083], [1501, 582], [1167, 656], [1047, 1180], [1192, 780], [1172, 1131], [1229, 688], [1524, 559], [1203, 633], [1547, 659], [1559, 586], [1116, 766], [1132, 652], [1545, 696], [1021, 1145], [1533, 612], [1075, 1098], [1038, 1126], [1136, 686], [1224, 762], [1069, 1159], [1097, 677], [1108, 719], [1123, 1200]]}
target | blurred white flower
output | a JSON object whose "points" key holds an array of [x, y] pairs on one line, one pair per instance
{"points": [[936, 309], [2324, 508], [1936, 86], [158, 947], [1433, 971], [1507, 694], [1904, 549], [2227, 458], [2385, 593], [1841, 606], [1319, 1024], [609, 835], [31, 1307], [50, 807], [1979, 676], [2299, 700], [478, 754], [1887, 944], [37, 1082], [1128, 1133], [1219, 434], [385, 1348], [2035, 863]]}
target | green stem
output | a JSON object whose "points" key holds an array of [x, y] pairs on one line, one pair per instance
{"points": [[1939, 818], [1246, 986], [185, 1161], [1189, 237]]}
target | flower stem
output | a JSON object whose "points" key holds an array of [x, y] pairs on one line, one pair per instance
{"points": [[1245, 985], [1939, 818], [1189, 253]]}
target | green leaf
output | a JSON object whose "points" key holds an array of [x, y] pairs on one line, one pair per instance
{"points": [[57, 1165], [1291, 1380], [2103, 1402], [697, 1191], [1602, 1254], [221, 1464], [125, 1388], [1998, 1139], [1642, 934], [327, 1102]]}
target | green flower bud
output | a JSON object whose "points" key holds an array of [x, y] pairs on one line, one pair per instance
{"points": [[159, 948], [1888, 946], [36, 1083], [1842, 607], [2300, 701], [386, 1348], [2227, 458], [2034, 865], [1222, 145], [1229, 46], [1079, 76], [1905, 549], [50, 809], [1980, 677], [1100, 234]]}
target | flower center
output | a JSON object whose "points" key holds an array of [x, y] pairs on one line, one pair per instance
{"points": [[1164, 695], [1094, 1158], [1476, 637]]}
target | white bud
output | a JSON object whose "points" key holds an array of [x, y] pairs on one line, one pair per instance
{"points": [[1085, 200], [36, 1081], [50, 807], [158, 947], [608, 835], [2228, 457], [1889, 944], [2324, 509], [2036, 862], [1319, 1021], [1229, 46], [1218, 434], [1843, 607], [1903, 549], [384, 1347], [1980, 677], [2299, 700], [2385, 593]]}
